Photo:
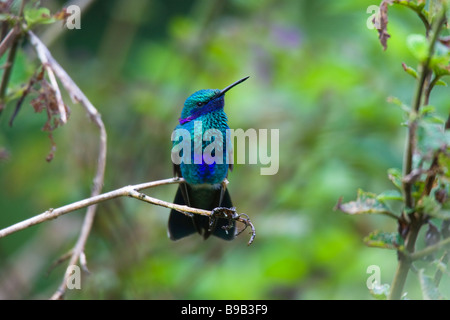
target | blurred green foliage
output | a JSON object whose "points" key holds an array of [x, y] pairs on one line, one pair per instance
{"points": [[317, 73]]}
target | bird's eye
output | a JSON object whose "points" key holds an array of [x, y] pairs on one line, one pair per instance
{"points": [[199, 104]]}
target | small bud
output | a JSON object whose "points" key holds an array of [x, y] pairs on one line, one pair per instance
{"points": [[409, 70]]}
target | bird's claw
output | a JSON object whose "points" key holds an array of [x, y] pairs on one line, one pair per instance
{"points": [[225, 213]]}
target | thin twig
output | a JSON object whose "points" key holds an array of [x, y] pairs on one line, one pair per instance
{"points": [[9, 39], [428, 250], [181, 208], [36, 77], [14, 42], [60, 260], [424, 74], [125, 191], [429, 88], [7, 71], [77, 96]]}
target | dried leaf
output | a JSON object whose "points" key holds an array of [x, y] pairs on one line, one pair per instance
{"points": [[383, 35], [62, 14], [46, 100]]}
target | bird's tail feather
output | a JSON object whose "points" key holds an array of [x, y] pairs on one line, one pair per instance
{"points": [[181, 225]]}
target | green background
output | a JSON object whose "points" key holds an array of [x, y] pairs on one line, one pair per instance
{"points": [[317, 73]]}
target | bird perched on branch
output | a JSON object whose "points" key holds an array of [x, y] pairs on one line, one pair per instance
{"points": [[205, 154]]}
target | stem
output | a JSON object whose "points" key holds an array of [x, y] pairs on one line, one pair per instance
{"points": [[9, 39], [404, 263], [428, 250], [430, 87], [7, 72], [415, 218], [12, 38], [420, 14]]}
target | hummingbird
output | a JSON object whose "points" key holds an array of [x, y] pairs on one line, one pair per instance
{"points": [[203, 187]]}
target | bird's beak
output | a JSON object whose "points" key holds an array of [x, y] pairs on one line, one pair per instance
{"points": [[222, 92]]}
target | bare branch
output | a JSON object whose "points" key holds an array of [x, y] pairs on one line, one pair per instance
{"points": [[54, 69], [428, 250], [128, 191], [125, 191]]}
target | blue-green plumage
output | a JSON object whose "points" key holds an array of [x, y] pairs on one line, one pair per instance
{"points": [[212, 173], [203, 113]]}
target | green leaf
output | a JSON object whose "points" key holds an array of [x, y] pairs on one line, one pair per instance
{"points": [[429, 289], [418, 45], [440, 65], [433, 208], [390, 195], [38, 16], [414, 5], [395, 175], [431, 135], [427, 109], [430, 206], [399, 103], [441, 83], [386, 240], [441, 60], [366, 203]]}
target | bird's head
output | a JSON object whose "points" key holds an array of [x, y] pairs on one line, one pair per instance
{"points": [[205, 101]]}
